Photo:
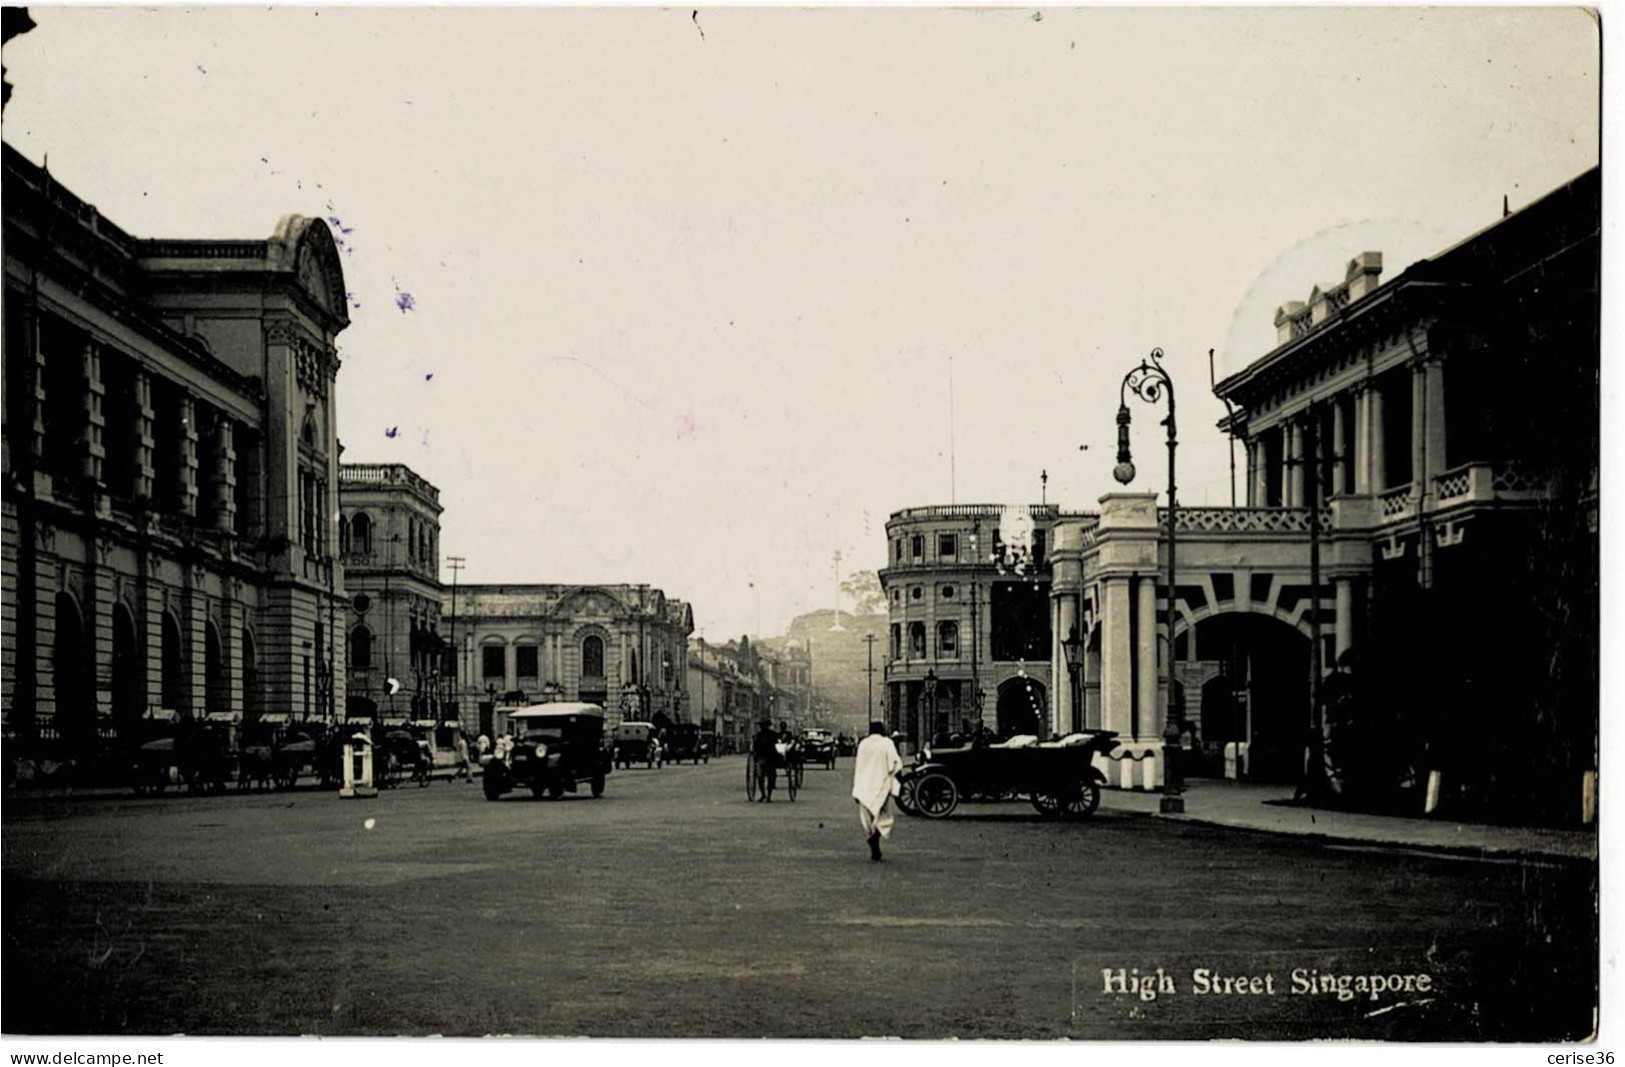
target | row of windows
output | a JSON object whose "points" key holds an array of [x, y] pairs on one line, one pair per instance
{"points": [[356, 537], [918, 593], [947, 640], [947, 547], [527, 661]]}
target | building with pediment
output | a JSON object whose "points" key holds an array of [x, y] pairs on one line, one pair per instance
{"points": [[624, 647], [171, 469]]}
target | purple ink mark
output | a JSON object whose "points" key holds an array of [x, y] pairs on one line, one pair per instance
{"points": [[355, 301], [339, 226], [392, 431], [429, 377], [404, 301]]}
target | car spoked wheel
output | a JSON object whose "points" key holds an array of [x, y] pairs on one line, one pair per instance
{"points": [[1084, 801], [1048, 804], [936, 796], [905, 798]]}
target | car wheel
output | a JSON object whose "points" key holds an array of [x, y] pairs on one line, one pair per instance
{"points": [[905, 798], [936, 796], [1084, 800], [1047, 804]]}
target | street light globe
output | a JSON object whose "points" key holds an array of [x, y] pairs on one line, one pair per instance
{"points": [[1123, 472]]}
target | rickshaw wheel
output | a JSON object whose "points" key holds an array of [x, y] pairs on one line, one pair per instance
{"points": [[750, 776], [792, 779], [936, 796]]}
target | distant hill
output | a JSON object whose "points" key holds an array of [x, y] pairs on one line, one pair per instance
{"points": [[839, 660]]}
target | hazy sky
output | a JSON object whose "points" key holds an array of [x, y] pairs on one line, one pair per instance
{"points": [[689, 286]]}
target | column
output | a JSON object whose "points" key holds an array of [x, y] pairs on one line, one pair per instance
{"points": [[1433, 370], [1149, 721], [1116, 658], [95, 421], [1419, 408], [1362, 437], [231, 651], [143, 443], [194, 686], [99, 621], [1293, 488], [1378, 431], [1345, 617], [224, 461], [1066, 617], [1339, 448], [1258, 491], [189, 455], [510, 667], [150, 620]]}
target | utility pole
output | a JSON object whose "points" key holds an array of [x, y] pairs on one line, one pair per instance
{"points": [[837, 627], [455, 564], [870, 639]]}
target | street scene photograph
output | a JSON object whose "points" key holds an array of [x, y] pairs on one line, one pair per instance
{"points": [[991, 524]]}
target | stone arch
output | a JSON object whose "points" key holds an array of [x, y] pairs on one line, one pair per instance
{"points": [[590, 600], [128, 696], [172, 683], [71, 676], [361, 647], [361, 532], [1253, 671], [1022, 707], [253, 702], [217, 688]]}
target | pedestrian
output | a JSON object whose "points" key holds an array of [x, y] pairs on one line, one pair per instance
{"points": [[460, 747], [483, 746], [765, 748], [874, 783]]}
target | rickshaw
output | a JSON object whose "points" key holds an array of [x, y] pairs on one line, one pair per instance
{"points": [[635, 742], [687, 743], [398, 757], [789, 759]]}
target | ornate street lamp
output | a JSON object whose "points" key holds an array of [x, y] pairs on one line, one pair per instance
{"points": [[1073, 647], [1148, 381], [930, 706]]}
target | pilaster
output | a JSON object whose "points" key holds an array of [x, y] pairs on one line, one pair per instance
{"points": [[144, 442], [1433, 386], [94, 419], [1339, 447], [1148, 720], [1419, 405]]}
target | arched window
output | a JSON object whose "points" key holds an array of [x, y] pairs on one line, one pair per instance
{"points": [[70, 663], [344, 536], [916, 640], [217, 693], [127, 696], [948, 639], [361, 648], [170, 689], [307, 430], [592, 657], [361, 533]]}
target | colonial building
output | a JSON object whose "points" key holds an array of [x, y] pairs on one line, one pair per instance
{"points": [[624, 647], [170, 460], [389, 534], [1422, 494], [968, 589]]}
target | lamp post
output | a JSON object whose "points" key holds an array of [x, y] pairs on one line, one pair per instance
{"points": [[1149, 381], [1072, 645], [930, 707]]}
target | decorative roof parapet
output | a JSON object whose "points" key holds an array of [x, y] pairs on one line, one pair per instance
{"points": [[1295, 318]]}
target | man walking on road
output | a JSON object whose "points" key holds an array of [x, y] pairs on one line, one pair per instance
{"points": [[874, 783]]}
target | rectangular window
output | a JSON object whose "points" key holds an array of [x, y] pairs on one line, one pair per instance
{"points": [[917, 546], [896, 641], [494, 661], [526, 660], [119, 436], [947, 546]]}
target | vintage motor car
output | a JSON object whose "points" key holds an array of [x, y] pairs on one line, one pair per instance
{"points": [[555, 749], [818, 746], [1059, 778], [687, 743], [635, 742]]}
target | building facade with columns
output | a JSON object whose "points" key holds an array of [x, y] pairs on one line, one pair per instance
{"points": [[968, 592], [624, 647], [171, 460], [389, 537], [1422, 458]]}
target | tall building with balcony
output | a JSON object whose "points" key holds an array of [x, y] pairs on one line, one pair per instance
{"points": [[968, 592], [389, 537], [624, 647], [171, 469], [1422, 498]]}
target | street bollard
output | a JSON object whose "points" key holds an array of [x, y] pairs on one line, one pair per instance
{"points": [[1435, 780], [1588, 798], [358, 768]]}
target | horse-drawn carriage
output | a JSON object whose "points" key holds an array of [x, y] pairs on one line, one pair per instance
{"points": [[399, 756], [1058, 778], [196, 754]]}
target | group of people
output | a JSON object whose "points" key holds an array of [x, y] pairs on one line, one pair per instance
{"points": [[482, 749], [874, 777]]}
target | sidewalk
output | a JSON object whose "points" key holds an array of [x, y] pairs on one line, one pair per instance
{"points": [[1246, 806]]}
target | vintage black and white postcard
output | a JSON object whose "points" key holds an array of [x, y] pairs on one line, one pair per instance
{"points": [[1010, 523]]}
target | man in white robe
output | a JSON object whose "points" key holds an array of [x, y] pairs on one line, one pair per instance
{"points": [[874, 783]]}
